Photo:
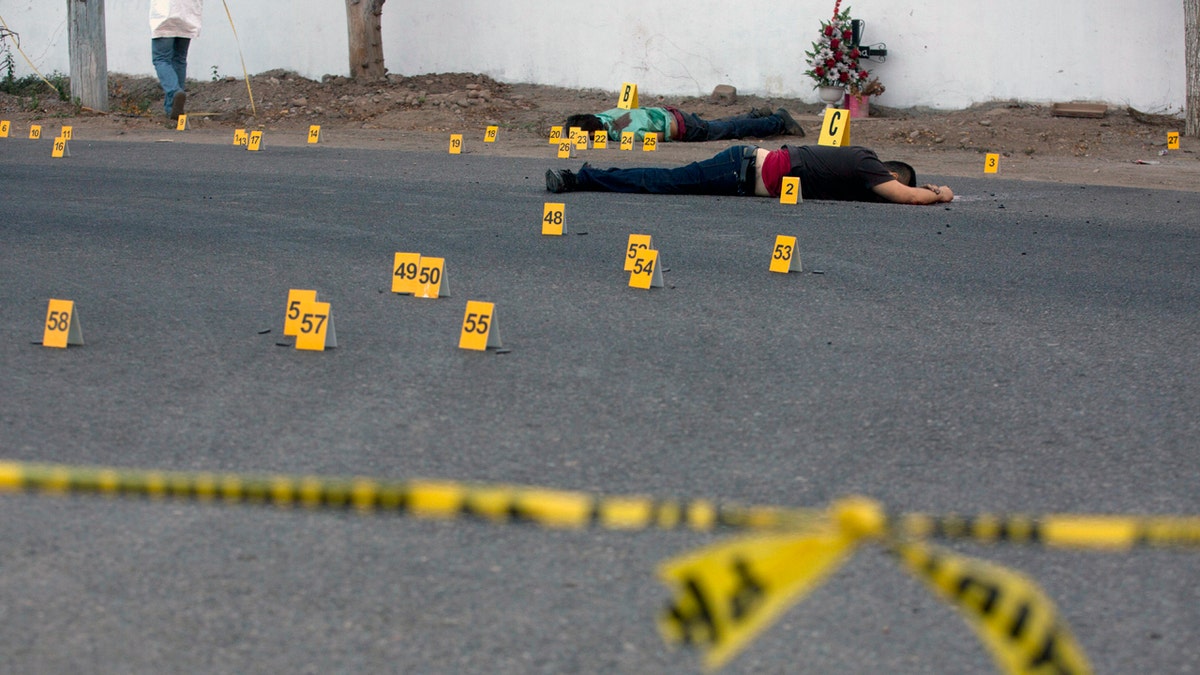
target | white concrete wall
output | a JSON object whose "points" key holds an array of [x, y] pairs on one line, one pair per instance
{"points": [[942, 53]]}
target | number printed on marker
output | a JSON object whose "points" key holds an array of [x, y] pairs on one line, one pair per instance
{"points": [[476, 323], [430, 276], [790, 191], [405, 267], [59, 321], [637, 243], [478, 320], [553, 217], [312, 323], [783, 256]]}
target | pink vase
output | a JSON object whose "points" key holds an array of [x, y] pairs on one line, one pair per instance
{"points": [[859, 106]]}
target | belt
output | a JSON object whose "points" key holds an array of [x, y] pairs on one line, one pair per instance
{"points": [[747, 173]]}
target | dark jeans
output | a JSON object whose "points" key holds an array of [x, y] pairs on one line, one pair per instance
{"points": [[719, 175], [742, 126], [169, 56]]}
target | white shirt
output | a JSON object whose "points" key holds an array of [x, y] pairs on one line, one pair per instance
{"points": [[175, 18]]}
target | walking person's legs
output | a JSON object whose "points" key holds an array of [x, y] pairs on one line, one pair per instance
{"points": [[169, 56]]}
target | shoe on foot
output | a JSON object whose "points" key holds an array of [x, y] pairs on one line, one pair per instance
{"points": [[560, 180], [790, 126], [178, 104]]}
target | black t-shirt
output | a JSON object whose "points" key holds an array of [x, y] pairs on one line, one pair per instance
{"points": [[846, 174]]}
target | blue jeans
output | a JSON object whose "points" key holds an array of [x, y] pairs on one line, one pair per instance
{"points": [[742, 126], [719, 175], [170, 63]]}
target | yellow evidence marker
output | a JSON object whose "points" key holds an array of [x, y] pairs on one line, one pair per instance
{"points": [[61, 149], [67, 132], [240, 137], [554, 218], [991, 164], [626, 140], [314, 134], [35, 132], [405, 267], [581, 139], [256, 141], [316, 331], [62, 325], [456, 144], [629, 97], [650, 142], [1172, 140], [296, 298], [479, 327], [489, 135], [181, 124], [784, 257], [4, 127], [431, 278], [637, 243], [646, 272], [835, 130], [600, 140], [564, 148], [789, 192], [555, 135]]}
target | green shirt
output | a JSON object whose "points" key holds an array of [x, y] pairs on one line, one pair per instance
{"points": [[638, 120]]}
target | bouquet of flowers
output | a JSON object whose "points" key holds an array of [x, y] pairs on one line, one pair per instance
{"points": [[833, 61]]}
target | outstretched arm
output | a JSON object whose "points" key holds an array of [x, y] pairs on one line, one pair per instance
{"points": [[895, 191]]}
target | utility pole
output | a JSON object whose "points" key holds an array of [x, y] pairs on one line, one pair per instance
{"points": [[366, 38], [89, 53], [1191, 51]]}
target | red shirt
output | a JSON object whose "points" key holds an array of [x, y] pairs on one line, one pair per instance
{"points": [[773, 169]]}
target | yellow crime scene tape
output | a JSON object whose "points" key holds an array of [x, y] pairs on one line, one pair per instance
{"points": [[8, 33], [238, 42], [725, 594]]}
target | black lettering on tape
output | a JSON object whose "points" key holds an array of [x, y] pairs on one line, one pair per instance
{"points": [[750, 591], [1048, 656], [1018, 624], [989, 593], [695, 621]]}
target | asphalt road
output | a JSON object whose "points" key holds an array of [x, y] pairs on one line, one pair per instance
{"points": [[1030, 347]]}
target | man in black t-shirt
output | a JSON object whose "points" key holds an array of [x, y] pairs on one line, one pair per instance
{"points": [[852, 173]]}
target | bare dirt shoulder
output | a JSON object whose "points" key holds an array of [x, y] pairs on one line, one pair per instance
{"points": [[1124, 148]]}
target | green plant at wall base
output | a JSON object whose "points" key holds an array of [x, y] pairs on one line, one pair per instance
{"points": [[7, 62], [124, 101], [62, 83]]}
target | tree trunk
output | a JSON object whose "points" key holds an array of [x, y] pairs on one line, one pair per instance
{"points": [[366, 38], [1191, 49], [89, 53]]}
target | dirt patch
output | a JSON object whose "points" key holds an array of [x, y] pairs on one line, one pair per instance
{"points": [[1123, 148]]}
